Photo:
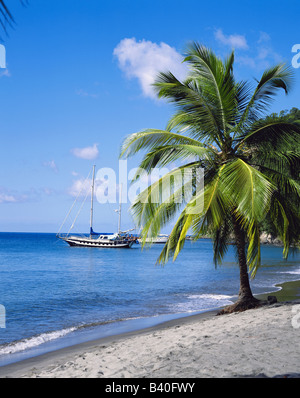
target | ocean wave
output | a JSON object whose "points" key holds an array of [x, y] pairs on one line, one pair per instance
{"points": [[291, 272], [199, 302], [297, 272], [34, 341], [209, 296]]}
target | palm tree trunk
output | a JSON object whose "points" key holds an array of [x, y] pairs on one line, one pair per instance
{"points": [[245, 299], [245, 292]]}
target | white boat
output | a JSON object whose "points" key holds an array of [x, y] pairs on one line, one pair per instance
{"points": [[162, 238], [118, 240]]}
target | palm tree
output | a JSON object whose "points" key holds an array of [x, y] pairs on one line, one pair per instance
{"points": [[248, 164]]}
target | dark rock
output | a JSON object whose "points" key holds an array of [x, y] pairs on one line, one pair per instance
{"points": [[272, 299]]}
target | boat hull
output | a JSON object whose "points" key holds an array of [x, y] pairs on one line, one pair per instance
{"points": [[85, 242]]}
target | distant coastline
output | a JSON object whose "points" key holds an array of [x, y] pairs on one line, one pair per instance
{"points": [[265, 239]]}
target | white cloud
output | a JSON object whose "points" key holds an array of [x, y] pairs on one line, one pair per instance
{"points": [[7, 198], [235, 41], [247, 61], [80, 187], [52, 165], [266, 51], [5, 72], [89, 153], [84, 93], [264, 37], [262, 54], [47, 191], [144, 60]]}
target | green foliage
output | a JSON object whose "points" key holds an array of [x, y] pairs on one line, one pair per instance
{"points": [[287, 160], [251, 163]]}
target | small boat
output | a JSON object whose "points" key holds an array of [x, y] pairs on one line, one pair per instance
{"points": [[161, 238], [117, 240]]}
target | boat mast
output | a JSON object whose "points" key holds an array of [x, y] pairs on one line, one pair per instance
{"points": [[120, 200], [92, 202]]}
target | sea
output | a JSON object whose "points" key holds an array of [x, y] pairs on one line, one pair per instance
{"points": [[54, 296]]}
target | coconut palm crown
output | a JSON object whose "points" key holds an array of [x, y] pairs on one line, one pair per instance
{"points": [[251, 165]]}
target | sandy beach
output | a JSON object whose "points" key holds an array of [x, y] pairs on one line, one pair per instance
{"points": [[258, 342]]}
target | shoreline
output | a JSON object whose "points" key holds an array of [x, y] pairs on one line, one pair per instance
{"points": [[286, 291], [55, 338], [89, 333], [260, 342], [52, 358], [288, 295]]}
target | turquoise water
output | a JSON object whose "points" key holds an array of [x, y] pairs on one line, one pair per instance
{"points": [[53, 293]]}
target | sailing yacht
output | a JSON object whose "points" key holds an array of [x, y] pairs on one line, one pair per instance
{"points": [[108, 240]]}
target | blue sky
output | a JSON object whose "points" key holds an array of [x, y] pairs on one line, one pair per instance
{"points": [[77, 82]]}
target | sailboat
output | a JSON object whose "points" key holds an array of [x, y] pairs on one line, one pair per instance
{"points": [[108, 240]]}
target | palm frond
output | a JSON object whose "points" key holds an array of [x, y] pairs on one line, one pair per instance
{"points": [[206, 207], [151, 139], [249, 189], [217, 80], [164, 155], [273, 132], [277, 77], [286, 218], [196, 106], [6, 17], [281, 169], [221, 237], [251, 193], [155, 206], [253, 250], [173, 243]]}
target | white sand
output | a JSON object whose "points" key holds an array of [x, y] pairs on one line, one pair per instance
{"points": [[264, 340]]}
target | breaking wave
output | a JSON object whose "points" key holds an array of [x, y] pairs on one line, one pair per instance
{"points": [[34, 341], [199, 302]]}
